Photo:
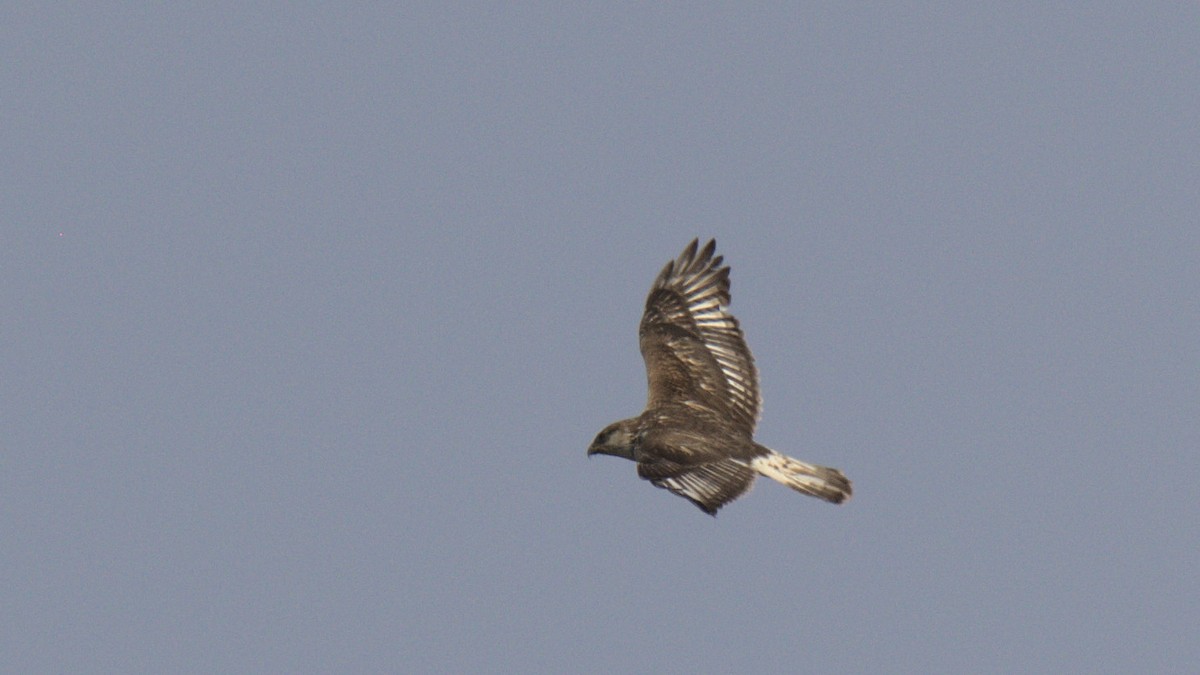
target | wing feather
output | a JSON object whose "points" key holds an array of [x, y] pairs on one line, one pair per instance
{"points": [[694, 350], [709, 486]]}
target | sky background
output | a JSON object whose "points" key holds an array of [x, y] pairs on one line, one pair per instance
{"points": [[309, 316]]}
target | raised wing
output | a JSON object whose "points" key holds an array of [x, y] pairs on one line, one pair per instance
{"points": [[694, 350]]}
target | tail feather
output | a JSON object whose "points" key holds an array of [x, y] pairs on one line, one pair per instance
{"points": [[818, 481]]}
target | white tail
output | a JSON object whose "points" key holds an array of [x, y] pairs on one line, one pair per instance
{"points": [[810, 479]]}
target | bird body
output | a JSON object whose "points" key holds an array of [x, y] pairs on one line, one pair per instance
{"points": [[695, 437]]}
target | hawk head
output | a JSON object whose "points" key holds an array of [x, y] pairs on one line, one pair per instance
{"points": [[617, 440]]}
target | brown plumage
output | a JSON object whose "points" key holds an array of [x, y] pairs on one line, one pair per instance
{"points": [[695, 437]]}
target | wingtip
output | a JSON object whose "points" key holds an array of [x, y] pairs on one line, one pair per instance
{"points": [[689, 252]]}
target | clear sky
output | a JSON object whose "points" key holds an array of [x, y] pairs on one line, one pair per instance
{"points": [[309, 316]]}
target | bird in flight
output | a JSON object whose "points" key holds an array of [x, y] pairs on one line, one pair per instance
{"points": [[695, 437]]}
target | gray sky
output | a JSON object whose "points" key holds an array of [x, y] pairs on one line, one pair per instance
{"points": [[310, 315]]}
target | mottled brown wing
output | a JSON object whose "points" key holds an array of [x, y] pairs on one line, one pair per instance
{"points": [[694, 350], [708, 486]]}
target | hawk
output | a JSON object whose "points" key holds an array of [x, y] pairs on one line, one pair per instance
{"points": [[695, 437]]}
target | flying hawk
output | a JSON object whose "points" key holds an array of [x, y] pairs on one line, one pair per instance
{"points": [[695, 437]]}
